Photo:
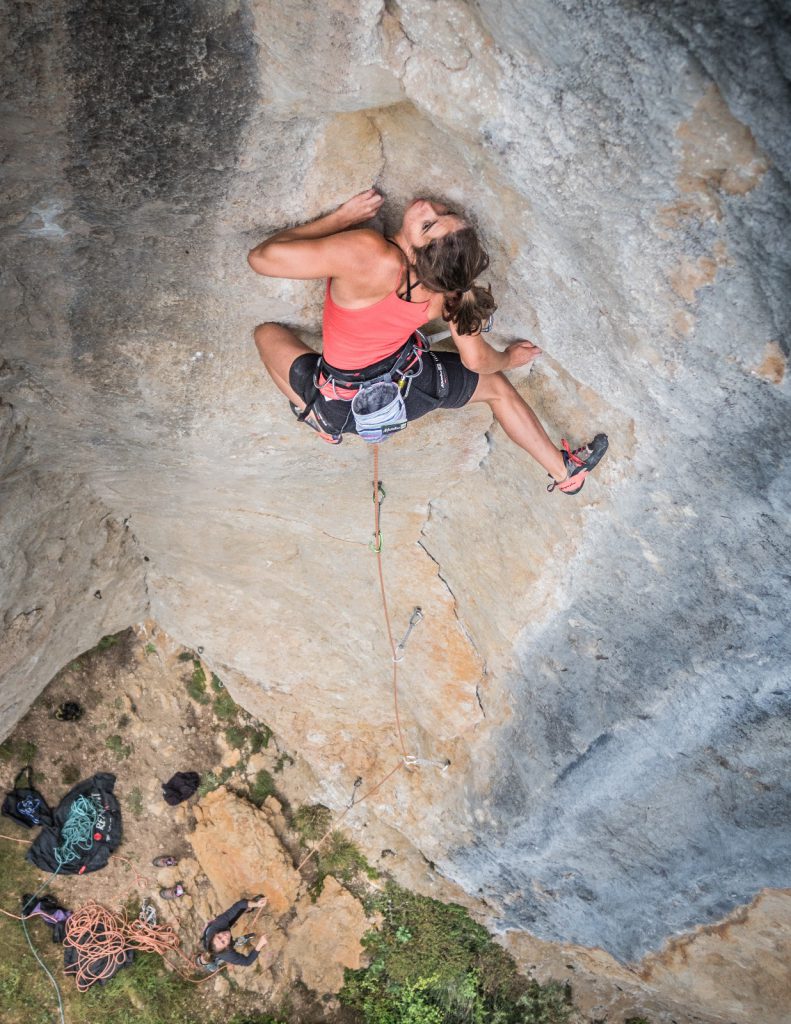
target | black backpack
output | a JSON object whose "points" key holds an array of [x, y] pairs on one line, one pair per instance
{"points": [[25, 804]]}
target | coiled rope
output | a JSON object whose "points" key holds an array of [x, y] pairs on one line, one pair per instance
{"points": [[102, 939], [77, 832]]}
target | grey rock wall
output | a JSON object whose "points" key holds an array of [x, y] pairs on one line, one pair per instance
{"points": [[606, 674]]}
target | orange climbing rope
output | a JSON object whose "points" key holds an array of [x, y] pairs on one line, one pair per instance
{"points": [[377, 547]]}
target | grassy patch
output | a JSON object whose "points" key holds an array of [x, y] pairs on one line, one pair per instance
{"points": [[260, 735], [135, 802], [211, 781], [225, 706], [262, 786], [312, 821], [340, 858], [216, 683], [6, 750], [26, 750], [70, 774], [119, 748], [150, 648], [196, 685], [186, 656], [107, 642], [432, 964], [236, 736]]}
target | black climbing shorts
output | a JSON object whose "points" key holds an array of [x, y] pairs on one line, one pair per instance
{"points": [[423, 396]]}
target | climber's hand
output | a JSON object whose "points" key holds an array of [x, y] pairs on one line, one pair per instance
{"points": [[519, 353], [360, 208], [259, 901], [260, 944]]}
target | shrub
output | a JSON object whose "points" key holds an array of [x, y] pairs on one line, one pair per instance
{"points": [[312, 821], [432, 957], [262, 786]]}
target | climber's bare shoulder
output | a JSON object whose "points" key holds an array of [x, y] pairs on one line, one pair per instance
{"points": [[347, 255]]}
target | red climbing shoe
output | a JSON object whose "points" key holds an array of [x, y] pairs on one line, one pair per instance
{"points": [[579, 463], [312, 420]]}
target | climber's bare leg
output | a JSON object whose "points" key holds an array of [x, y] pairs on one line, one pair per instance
{"points": [[278, 348], [519, 421]]}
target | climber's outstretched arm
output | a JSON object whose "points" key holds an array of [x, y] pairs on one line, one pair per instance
{"points": [[478, 355], [324, 247]]}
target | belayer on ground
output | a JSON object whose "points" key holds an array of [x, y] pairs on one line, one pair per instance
{"points": [[219, 945], [375, 372]]}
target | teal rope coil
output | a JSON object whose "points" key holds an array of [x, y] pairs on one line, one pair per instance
{"points": [[77, 832]]}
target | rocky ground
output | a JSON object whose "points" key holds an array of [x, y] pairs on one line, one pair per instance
{"points": [[150, 710]]}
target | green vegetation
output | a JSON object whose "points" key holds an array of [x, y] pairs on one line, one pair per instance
{"points": [[211, 781], [196, 686], [150, 648], [235, 736], [186, 656], [225, 706], [119, 748], [135, 802], [26, 751], [432, 964], [70, 774], [312, 821], [260, 736], [262, 786], [6, 750], [107, 642], [339, 857], [216, 683]]}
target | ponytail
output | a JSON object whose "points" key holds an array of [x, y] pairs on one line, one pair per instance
{"points": [[469, 310], [450, 265]]}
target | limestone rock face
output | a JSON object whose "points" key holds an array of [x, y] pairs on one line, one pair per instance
{"points": [[239, 851], [607, 675], [324, 938]]}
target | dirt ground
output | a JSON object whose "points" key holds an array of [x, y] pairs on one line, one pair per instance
{"points": [[150, 710]]}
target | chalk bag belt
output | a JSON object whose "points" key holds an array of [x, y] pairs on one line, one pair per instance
{"points": [[378, 406]]}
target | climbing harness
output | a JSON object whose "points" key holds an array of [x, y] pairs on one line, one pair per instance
{"points": [[376, 394]]}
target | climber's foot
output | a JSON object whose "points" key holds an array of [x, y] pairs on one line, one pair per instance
{"points": [[312, 421], [579, 463]]}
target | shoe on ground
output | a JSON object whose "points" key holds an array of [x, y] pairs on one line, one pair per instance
{"points": [[173, 892], [165, 861], [579, 462], [208, 968]]}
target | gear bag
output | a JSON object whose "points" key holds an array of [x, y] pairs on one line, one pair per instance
{"points": [[25, 804], [88, 852]]}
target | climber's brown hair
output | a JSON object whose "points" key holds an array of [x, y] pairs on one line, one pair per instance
{"points": [[450, 265]]}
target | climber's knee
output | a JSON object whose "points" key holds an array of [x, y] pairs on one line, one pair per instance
{"points": [[492, 387], [265, 336]]}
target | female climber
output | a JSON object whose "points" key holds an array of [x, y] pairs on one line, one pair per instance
{"points": [[375, 372], [219, 945]]}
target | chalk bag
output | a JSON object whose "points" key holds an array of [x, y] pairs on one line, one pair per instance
{"points": [[379, 411]]}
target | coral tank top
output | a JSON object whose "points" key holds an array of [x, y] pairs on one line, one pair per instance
{"points": [[354, 338]]}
